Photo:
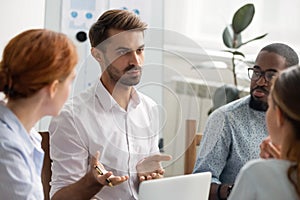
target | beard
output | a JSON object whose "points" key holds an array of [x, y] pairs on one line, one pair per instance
{"points": [[124, 77], [258, 104]]}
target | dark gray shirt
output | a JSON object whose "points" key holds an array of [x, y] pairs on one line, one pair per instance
{"points": [[231, 137]]}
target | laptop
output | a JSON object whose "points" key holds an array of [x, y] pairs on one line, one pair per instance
{"points": [[188, 187]]}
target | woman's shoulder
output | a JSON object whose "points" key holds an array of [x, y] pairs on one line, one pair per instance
{"points": [[260, 165]]}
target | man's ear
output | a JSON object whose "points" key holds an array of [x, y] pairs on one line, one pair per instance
{"points": [[53, 87], [96, 54]]}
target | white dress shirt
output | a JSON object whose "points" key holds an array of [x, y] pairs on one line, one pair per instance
{"points": [[93, 121]]}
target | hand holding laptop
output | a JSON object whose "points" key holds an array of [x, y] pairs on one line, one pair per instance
{"points": [[150, 167]]}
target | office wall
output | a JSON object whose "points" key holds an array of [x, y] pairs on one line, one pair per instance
{"points": [[19, 15]]}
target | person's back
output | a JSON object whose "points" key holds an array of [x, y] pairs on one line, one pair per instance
{"points": [[21, 158], [264, 179]]}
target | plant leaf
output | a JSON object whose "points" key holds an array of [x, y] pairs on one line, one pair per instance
{"points": [[242, 18], [229, 51], [235, 53], [230, 39], [237, 40], [228, 36], [238, 53], [257, 38]]}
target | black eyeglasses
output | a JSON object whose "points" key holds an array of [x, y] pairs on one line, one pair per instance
{"points": [[254, 74]]}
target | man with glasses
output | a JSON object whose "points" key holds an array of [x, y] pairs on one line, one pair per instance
{"points": [[234, 132], [259, 94]]}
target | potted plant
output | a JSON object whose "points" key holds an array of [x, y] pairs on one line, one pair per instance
{"points": [[232, 34]]}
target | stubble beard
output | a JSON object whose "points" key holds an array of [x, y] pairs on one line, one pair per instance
{"points": [[124, 78]]}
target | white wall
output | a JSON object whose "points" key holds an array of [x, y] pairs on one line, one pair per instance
{"points": [[19, 15], [204, 21]]}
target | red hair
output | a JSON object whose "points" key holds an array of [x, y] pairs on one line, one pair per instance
{"points": [[34, 59]]}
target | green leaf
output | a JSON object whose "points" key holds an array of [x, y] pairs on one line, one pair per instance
{"points": [[228, 36], [230, 39], [238, 53], [257, 38], [242, 18], [237, 40], [229, 51], [235, 53]]}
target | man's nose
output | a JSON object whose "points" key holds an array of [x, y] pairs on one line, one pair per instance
{"points": [[261, 80], [135, 59]]}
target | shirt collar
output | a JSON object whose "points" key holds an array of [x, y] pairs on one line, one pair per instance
{"points": [[135, 97], [108, 102]]}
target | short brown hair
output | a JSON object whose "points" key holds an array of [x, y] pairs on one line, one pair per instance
{"points": [[34, 59], [114, 19]]}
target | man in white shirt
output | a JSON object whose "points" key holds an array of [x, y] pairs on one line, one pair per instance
{"points": [[111, 117]]}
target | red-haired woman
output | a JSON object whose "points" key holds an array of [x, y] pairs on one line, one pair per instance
{"points": [[36, 72]]}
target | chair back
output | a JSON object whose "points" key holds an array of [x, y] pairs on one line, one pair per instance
{"points": [[192, 140], [46, 170]]}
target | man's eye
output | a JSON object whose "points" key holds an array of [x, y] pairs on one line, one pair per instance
{"points": [[270, 75], [123, 52], [140, 50], [257, 73]]}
